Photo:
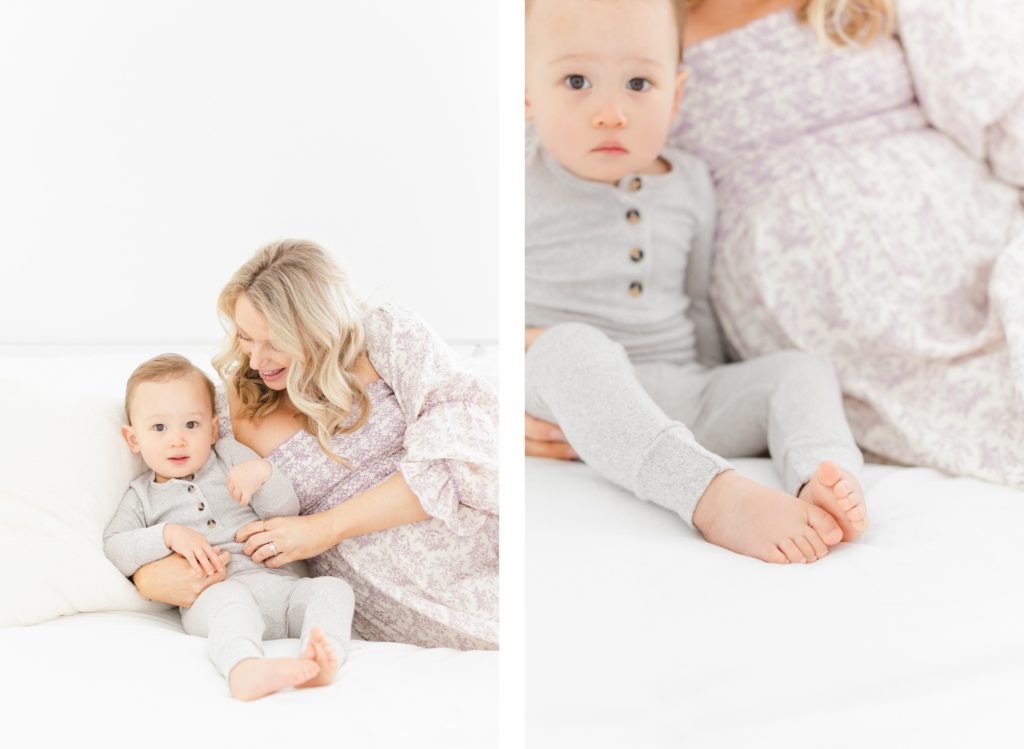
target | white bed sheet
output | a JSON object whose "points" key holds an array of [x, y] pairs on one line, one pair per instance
{"points": [[641, 634], [124, 679]]}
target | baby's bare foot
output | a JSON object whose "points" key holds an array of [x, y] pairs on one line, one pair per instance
{"points": [[320, 651], [257, 677], [746, 517], [839, 493]]}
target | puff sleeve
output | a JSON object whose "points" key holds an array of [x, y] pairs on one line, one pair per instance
{"points": [[966, 58], [451, 415]]}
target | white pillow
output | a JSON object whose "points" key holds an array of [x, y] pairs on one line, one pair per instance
{"points": [[65, 468]]}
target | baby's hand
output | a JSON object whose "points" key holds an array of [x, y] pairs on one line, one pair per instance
{"points": [[246, 478], [193, 545]]}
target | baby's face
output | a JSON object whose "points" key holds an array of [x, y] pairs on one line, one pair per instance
{"points": [[172, 426], [602, 86]]}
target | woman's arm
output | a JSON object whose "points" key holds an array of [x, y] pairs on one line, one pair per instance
{"points": [[965, 60], [171, 580], [387, 505]]}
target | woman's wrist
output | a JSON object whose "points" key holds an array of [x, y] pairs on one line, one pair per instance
{"points": [[338, 526]]}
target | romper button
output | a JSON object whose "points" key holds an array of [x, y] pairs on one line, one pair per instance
{"points": [[635, 184], [636, 254], [210, 523], [635, 288], [633, 216], [191, 488], [200, 507]]}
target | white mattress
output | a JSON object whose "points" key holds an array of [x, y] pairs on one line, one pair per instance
{"points": [[641, 634], [123, 679]]}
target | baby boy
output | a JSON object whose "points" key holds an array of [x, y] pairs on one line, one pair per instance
{"points": [[198, 492], [623, 348]]}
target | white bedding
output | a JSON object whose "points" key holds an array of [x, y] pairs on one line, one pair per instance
{"points": [[641, 634], [114, 678]]}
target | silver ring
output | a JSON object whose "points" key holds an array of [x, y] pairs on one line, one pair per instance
{"points": [[273, 549]]}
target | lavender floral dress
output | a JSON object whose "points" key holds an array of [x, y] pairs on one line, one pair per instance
{"points": [[870, 211], [432, 583]]}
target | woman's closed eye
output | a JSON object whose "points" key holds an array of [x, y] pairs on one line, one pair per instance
{"points": [[576, 82], [639, 84]]}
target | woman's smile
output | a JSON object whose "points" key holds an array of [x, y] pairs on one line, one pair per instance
{"points": [[271, 374]]}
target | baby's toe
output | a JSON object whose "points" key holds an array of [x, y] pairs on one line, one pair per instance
{"points": [[829, 473], [791, 551], [819, 546], [805, 548]]}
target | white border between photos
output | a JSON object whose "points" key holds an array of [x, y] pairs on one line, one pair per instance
{"points": [[511, 270]]}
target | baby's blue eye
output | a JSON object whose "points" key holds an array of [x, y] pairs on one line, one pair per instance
{"points": [[638, 84], [158, 427], [577, 82], [192, 425]]}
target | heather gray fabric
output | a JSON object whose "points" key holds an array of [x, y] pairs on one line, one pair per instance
{"points": [[588, 243], [238, 613], [632, 366], [135, 535], [254, 601], [659, 429]]}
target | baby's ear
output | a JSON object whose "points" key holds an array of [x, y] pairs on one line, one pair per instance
{"points": [[215, 431], [128, 433], [680, 85]]}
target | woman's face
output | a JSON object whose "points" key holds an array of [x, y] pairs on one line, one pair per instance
{"points": [[254, 341]]}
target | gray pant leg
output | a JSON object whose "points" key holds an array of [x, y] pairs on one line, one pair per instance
{"points": [[325, 602], [788, 402], [226, 614], [580, 379]]}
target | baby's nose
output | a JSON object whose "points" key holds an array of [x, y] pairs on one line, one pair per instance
{"points": [[610, 114]]}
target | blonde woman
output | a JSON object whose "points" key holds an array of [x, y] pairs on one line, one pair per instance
{"points": [[391, 447], [868, 159]]}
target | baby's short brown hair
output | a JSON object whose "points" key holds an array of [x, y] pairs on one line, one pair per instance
{"points": [[164, 368]]}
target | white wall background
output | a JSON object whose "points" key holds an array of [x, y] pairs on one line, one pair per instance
{"points": [[148, 148]]}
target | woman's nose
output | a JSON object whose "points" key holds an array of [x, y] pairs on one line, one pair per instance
{"points": [[256, 357], [610, 113]]}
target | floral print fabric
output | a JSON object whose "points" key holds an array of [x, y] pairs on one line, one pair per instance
{"points": [[870, 211]]}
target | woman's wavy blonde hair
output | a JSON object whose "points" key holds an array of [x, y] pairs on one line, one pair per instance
{"points": [[844, 22], [314, 318]]}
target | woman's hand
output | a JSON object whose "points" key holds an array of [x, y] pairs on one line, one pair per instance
{"points": [[531, 335], [545, 440], [278, 541], [172, 580]]}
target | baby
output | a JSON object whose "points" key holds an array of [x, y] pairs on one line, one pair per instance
{"points": [[624, 352], [198, 492]]}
